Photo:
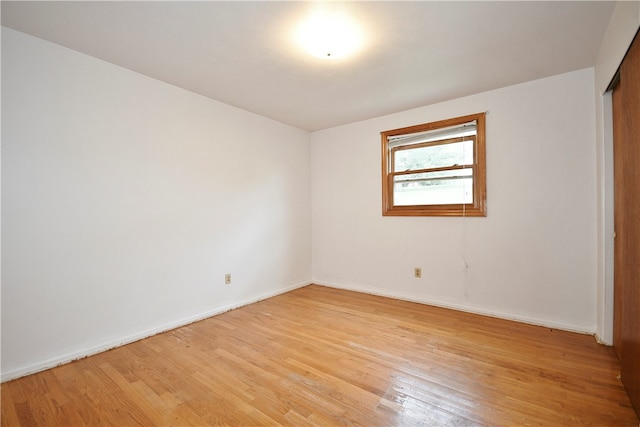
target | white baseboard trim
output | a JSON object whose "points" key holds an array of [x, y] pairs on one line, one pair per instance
{"points": [[600, 340], [460, 307], [70, 357]]}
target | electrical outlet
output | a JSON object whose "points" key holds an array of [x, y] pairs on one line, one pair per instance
{"points": [[417, 272], [227, 279]]}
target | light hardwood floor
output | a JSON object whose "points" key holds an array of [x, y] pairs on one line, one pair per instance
{"points": [[321, 356]]}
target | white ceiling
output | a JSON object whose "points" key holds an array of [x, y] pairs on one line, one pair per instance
{"points": [[243, 53]]}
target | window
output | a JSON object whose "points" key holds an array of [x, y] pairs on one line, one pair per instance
{"points": [[435, 169]]}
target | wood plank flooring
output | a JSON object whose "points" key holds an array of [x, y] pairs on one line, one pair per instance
{"points": [[322, 357]]}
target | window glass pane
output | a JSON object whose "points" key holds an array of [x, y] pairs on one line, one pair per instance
{"points": [[443, 155], [432, 192]]}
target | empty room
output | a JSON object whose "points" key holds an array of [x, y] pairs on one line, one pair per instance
{"points": [[320, 213]]}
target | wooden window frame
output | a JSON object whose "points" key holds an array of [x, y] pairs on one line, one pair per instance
{"points": [[479, 205]]}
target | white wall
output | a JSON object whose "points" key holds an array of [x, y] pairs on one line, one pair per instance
{"points": [[533, 258], [623, 26], [125, 201]]}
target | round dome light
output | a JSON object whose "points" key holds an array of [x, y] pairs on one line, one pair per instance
{"points": [[329, 35]]}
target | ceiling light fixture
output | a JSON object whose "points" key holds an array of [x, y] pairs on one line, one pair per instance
{"points": [[329, 34]]}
